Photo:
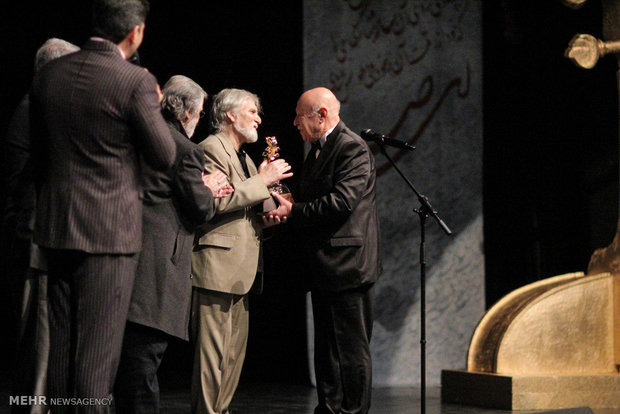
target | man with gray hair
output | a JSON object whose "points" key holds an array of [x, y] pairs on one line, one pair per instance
{"points": [[226, 256], [52, 48], [175, 202], [29, 319]]}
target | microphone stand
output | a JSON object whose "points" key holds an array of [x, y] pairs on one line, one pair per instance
{"points": [[423, 212]]}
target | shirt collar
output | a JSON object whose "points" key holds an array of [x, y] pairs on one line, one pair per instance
{"points": [[323, 139], [101, 39]]}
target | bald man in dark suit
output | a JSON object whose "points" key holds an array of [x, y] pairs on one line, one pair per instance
{"points": [[93, 115], [336, 212]]}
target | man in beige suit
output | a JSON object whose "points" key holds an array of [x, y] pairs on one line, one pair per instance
{"points": [[226, 255]]}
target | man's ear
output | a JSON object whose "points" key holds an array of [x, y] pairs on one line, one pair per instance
{"points": [[231, 116], [323, 113], [137, 34]]}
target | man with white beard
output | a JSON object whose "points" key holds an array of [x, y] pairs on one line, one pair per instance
{"points": [[175, 202], [225, 260]]}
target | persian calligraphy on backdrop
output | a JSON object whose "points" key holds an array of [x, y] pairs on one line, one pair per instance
{"points": [[401, 35]]}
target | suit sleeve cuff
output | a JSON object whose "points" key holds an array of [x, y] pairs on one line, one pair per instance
{"points": [[297, 211]]}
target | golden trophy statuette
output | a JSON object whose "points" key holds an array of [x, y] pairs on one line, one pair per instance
{"points": [[271, 154]]}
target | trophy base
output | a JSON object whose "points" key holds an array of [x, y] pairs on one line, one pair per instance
{"points": [[271, 203]]}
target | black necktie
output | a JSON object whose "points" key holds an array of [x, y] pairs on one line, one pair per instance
{"points": [[310, 160], [312, 155], [316, 149], [244, 164]]}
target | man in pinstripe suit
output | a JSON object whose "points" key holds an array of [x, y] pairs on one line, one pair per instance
{"points": [[93, 115]]}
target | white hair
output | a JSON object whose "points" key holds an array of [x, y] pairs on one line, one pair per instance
{"points": [[228, 100], [52, 48], [181, 96]]}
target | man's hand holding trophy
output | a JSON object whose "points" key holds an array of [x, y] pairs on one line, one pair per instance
{"points": [[278, 166]]}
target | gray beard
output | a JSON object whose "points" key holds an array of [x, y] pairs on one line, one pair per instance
{"points": [[250, 134]]}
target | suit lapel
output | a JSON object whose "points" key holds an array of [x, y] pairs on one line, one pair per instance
{"points": [[314, 167], [234, 159], [102, 46]]}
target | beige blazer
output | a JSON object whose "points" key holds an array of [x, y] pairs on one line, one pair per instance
{"points": [[225, 256]]}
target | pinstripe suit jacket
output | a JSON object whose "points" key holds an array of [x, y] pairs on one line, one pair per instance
{"points": [[92, 114], [225, 257]]}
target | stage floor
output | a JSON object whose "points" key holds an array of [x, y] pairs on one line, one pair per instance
{"points": [[261, 398], [299, 399]]}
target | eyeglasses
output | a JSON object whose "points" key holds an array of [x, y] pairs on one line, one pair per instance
{"points": [[307, 114]]}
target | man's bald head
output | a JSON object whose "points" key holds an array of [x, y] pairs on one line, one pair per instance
{"points": [[321, 97], [318, 110]]}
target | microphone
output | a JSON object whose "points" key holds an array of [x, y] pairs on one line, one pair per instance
{"points": [[370, 135]]}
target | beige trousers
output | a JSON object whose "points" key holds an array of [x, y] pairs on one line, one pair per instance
{"points": [[219, 323]]}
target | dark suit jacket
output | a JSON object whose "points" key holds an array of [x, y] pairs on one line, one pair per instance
{"points": [[175, 202], [336, 209], [20, 194], [92, 114]]}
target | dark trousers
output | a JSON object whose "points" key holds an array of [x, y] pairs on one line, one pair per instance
{"points": [[342, 332], [33, 342], [137, 388], [28, 330], [88, 302]]}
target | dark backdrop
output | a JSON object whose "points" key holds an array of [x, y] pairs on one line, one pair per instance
{"points": [[550, 144], [550, 136], [245, 45]]}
